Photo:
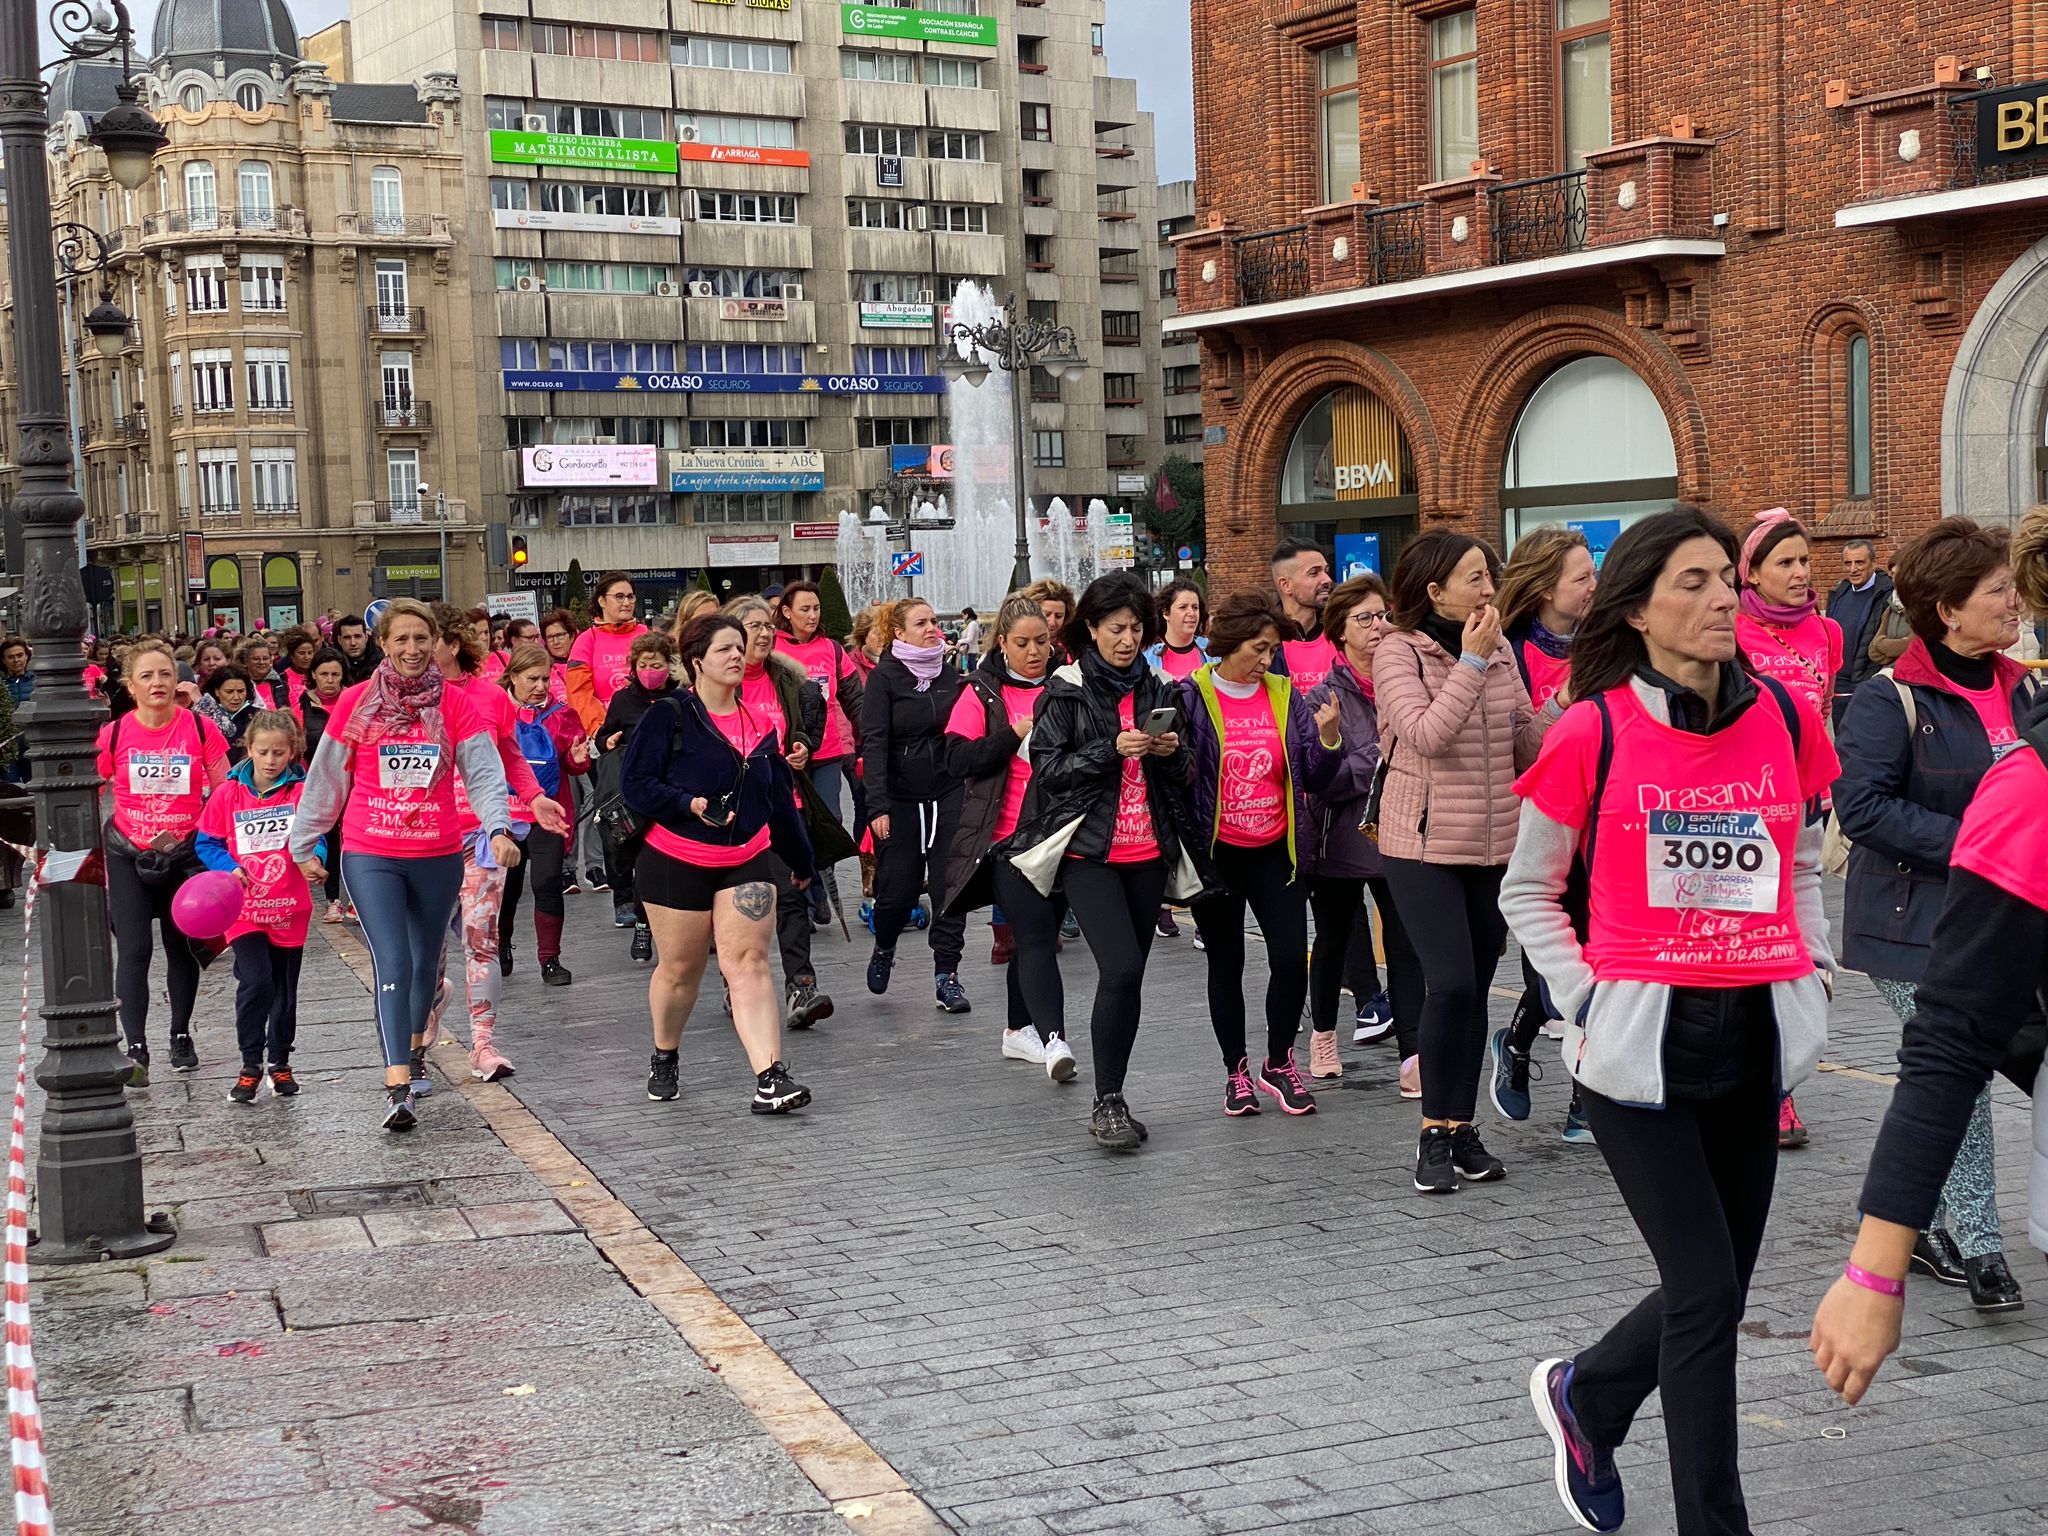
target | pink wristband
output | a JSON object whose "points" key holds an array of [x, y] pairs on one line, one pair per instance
{"points": [[1857, 1275]]}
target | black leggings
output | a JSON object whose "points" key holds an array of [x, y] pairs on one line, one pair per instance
{"points": [[266, 999], [1117, 906], [1263, 879], [543, 852], [333, 856], [792, 925], [910, 860], [1697, 1177], [1343, 955], [1038, 993], [1452, 914], [621, 853], [135, 906]]}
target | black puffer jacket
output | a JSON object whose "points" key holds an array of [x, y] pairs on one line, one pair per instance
{"points": [[981, 765], [903, 736]]}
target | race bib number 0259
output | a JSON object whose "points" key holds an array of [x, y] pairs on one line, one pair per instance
{"points": [[1724, 862]]}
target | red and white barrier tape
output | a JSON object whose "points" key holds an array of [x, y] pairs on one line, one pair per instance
{"points": [[24, 1408]]}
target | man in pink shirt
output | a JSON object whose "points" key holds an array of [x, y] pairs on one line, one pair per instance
{"points": [[1301, 575]]}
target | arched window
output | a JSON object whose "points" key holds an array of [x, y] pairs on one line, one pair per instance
{"points": [[1841, 458], [1348, 481], [387, 200], [249, 96], [193, 97], [1591, 448]]}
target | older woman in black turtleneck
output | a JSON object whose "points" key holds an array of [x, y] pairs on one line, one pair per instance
{"points": [[1914, 745]]}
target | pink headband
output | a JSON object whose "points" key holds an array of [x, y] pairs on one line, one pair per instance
{"points": [[1765, 522]]}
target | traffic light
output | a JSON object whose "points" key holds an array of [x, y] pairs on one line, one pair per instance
{"points": [[519, 551]]}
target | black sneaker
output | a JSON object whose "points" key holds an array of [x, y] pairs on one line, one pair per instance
{"points": [[777, 1093], [283, 1082], [643, 943], [1111, 1125], [504, 961], [1469, 1156], [246, 1084], [1936, 1256], [622, 914], [184, 1058], [1070, 926], [879, 965], [595, 880], [1435, 1174], [422, 1085], [806, 1004], [664, 1075], [138, 1067], [1992, 1287], [952, 996], [1283, 1081], [398, 1115], [555, 974]]}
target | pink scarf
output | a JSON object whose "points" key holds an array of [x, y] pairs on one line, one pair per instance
{"points": [[924, 661], [1782, 614], [391, 702]]}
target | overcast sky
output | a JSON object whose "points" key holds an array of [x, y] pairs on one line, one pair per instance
{"points": [[1146, 38]]}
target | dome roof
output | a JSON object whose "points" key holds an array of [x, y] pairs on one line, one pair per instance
{"points": [[246, 33], [86, 86]]}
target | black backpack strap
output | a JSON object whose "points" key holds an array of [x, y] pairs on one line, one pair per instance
{"points": [[1792, 726], [1602, 769]]}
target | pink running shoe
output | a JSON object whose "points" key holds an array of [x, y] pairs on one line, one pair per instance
{"points": [[1239, 1097], [1323, 1060], [1411, 1078], [1282, 1079]]}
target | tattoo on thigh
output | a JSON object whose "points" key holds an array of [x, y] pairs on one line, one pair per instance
{"points": [[755, 899]]}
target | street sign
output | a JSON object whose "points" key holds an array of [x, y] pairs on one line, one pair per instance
{"points": [[1186, 553], [375, 612], [909, 563]]}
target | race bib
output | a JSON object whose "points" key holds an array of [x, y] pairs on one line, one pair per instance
{"points": [[1719, 861], [261, 830], [407, 765], [159, 773]]}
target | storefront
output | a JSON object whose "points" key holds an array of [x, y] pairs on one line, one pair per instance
{"points": [[656, 589], [1591, 449], [284, 600], [1348, 482]]}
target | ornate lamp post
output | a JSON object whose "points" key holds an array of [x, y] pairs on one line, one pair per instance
{"points": [[1014, 346], [88, 1166]]}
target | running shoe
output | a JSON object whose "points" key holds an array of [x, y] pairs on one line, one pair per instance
{"points": [[1411, 1077], [487, 1063], [1060, 1067], [1936, 1256], [1323, 1060], [594, 878], [1168, 928], [643, 944], [1112, 1126], [1434, 1172], [1792, 1133], [1239, 1096], [350, 914], [504, 960], [1469, 1156], [246, 1084], [138, 1068], [622, 914], [555, 974], [664, 1075], [1198, 941], [1992, 1287], [1577, 1133], [1070, 926], [333, 913], [398, 1115], [184, 1057], [1375, 1020], [422, 1085], [1512, 1070], [1282, 1079], [777, 1093], [282, 1081], [806, 1005], [570, 887], [1587, 1480], [952, 996], [879, 965], [1024, 1044]]}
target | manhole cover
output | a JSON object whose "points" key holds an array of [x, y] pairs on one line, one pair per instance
{"points": [[355, 1199]]}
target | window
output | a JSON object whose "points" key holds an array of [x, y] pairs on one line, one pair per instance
{"points": [[610, 201], [611, 356], [213, 380], [256, 191], [1045, 384], [273, 480], [645, 431], [868, 139], [1038, 188], [501, 32], [892, 288], [953, 145], [181, 463], [262, 285], [1184, 379], [1183, 429], [744, 282], [1119, 325], [1337, 84], [249, 96], [220, 493], [900, 67], [507, 193], [1592, 445], [581, 510], [1454, 94], [518, 353], [751, 432], [402, 479], [503, 112], [877, 213], [896, 361], [1585, 118], [888, 431], [746, 207], [748, 132], [193, 98], [597, 43], [1034, 121], [747, 507], [202, 206], [747, 357], [960, 218], [270, 378], [1120, 389], [584, 276], [206, 285], [525, 511], [525, 431], [1038, 253], [1095, 37], [600, 122], [177, 383], [387, 200], [395, 370], [1856, 423], [1169, 282], [965, 73], [392, 299], [1049, 450], [723, 53]]}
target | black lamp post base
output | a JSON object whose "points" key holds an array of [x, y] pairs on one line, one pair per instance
{"points": [[158, 1235]]}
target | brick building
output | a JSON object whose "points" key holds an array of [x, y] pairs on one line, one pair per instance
{"points": [[1521, 260]]}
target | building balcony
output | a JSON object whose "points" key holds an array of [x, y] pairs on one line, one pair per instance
{"points": [[131, 429], [1944, 149], [413, 512], [182, 224], [397, 319], [402, 415], [1649, 200], [427, 229]]}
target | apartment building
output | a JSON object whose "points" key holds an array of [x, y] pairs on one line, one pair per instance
{"points": [[1180, 352], [262, 447], [714, 242]]}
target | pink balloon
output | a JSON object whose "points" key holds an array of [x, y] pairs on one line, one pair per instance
{"points": [[207, 905]]}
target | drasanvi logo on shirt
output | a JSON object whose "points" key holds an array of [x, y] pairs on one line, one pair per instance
{"points": [[1760, 793]]}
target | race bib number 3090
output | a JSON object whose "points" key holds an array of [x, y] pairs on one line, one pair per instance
{"points": [[1722, 861]]}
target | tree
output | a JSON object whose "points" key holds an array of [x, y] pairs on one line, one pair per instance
{"points": [[1186, 523], [575, 597], [704, 580], [838, 618]]}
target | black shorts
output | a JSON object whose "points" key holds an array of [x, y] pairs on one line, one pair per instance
{"points": [[661, 880]]}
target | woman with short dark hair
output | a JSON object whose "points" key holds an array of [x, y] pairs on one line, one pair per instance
{"points": [[1183, 624]]}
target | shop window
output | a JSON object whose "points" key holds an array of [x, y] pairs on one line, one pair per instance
{"points": [[1454, 94], [1349, 447], [1337, 83], [283, 600], [1591, 449]]}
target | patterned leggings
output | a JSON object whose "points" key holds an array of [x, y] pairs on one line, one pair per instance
{"points": [[483, 892], [1969, 1200]]}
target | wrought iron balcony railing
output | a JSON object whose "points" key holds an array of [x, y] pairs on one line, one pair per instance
{"points": [[1545, 216]]}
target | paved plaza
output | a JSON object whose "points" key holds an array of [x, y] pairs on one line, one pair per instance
{"points": [[1254, 1325]]}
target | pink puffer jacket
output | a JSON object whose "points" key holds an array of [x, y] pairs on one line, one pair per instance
{"points": [[1454, 740]]}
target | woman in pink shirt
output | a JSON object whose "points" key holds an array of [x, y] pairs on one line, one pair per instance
{"points": [[162, 762], [599, 659], [799, 620]]}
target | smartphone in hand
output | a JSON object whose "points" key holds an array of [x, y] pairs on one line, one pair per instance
{"points": [[1161, 721]]}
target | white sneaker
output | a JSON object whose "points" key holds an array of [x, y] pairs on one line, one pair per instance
{"points": [[1553, 1029], [1059, 1060], [1023, 1044]]}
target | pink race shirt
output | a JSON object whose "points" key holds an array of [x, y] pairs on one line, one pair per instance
{"points": [[608, 657], [825, 662], [1133, 840], [1547, 673], [160, 777], [402, 797], [1251, 797], [757, 694], [2004, 838], [1994, 708], [1803, 659], [969, 721], [743, 729], [1180, 664], [1692, 862], [1309, 662], [500, 718], [275, 898], [558, 682]]}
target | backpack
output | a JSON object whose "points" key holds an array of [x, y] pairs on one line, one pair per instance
{"points": [[1834, 848], [537, 746]]}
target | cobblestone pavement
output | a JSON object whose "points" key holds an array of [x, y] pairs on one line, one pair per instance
{"points": [[1254, 1324]]}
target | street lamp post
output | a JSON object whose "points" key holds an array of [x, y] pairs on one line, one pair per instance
{"points": [[1014, 346], [88, 1165]]}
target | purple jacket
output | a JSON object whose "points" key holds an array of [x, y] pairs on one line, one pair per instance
{"points": [[1331, 843], [1309, 766]]}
